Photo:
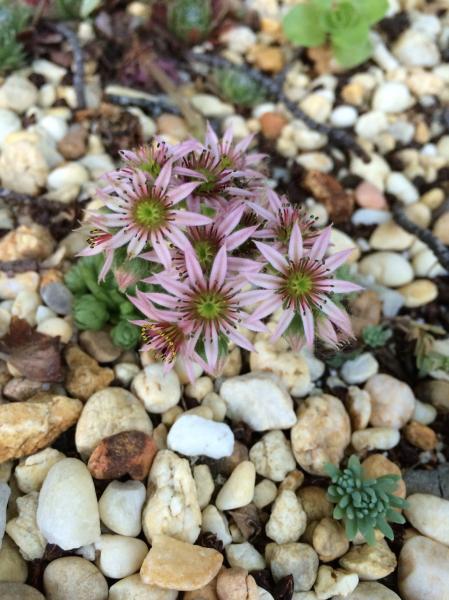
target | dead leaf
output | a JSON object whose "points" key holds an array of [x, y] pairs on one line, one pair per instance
{"points": [[35, 355]]}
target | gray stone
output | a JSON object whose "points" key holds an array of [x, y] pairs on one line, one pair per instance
{"points": [[5, 493], [57, 297], [421, 481]]}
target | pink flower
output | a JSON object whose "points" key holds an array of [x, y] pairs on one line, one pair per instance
{"points": [[302, 285], [142, 212], [280, 217], [208, 307], [223, 171], [206, 240]]}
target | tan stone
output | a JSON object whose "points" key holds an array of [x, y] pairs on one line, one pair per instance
{"points": [[132, 588], [23, 168], [423, 570], [267, 58], [23, 529], [441, 228], [329, 540], [236, 584], [418, 293], [420, 435], [27, 241], [358, 404], [392, 401], [321, 434], [175, 565], [172, 507], [26, 427], [109, 411], [12, 565], [315, 503], [378, 465], [370, 562], [389, 236], [85, 376]]}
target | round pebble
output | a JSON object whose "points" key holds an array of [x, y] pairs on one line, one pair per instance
{"points": [[74, 577], [57, 297]]}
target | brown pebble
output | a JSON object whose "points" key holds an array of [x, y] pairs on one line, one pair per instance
{"points": [[327, 190], [236, 584], [272, 124], [73, 144], [85, 376], [365, 310], [420, 435], [125, 453]]}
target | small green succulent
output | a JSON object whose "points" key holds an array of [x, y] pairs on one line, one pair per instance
{"points": [[364, 504], [346, 23], [14, 18], [376, 336], [190, 20], [99, 304], [238, 87]]}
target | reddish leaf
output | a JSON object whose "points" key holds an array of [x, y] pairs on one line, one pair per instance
{"points": [[35, 355]]}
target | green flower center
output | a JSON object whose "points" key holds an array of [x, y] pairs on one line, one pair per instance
{"points": [[150, 213], [210, 306], [205, 251], [299, 284], [152, 167], [208, 186]]}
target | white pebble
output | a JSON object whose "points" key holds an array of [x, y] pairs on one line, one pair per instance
{"points": [[121, 505], [343, 116], [9, 123], [55, 126], [158, 390], [56, 327], [120, 555], [360, 369], [392, 97], [398, 185], [69, 174], [195, 436], [371, 124]]}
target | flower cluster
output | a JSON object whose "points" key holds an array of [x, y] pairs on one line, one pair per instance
{"points": [[224, 252]]}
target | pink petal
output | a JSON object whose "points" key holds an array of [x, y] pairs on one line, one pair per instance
{"points": [[193, 267], [269, 282], [340, 286], [267, 308], [253, 296], [106, 265], [308, 324], [211, 139], [274, 257], [283, 323], [295, 247], [337, 316], [239, 339], [231, 220], [219, 268], [236, 239], [160, 247], [326, 332], [320, 245], [180, 192], [274, 201], [335, 260], [191, 219], [164, 177]]}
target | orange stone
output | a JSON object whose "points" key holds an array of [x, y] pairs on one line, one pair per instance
{"points": [[420, 436], [125, 453], [272, 124], [378, 465]]}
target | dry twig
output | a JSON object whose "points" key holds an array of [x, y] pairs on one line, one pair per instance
{"points": [[425, 235], [78, 61]]}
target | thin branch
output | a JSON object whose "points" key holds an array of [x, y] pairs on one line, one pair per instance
{"points": [[192, 118], [78, 61], [273, 86], [440, 250], [19, 266]]}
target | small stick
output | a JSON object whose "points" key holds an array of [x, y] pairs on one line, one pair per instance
{"points": [[19, 266], [273, 87], [440, 250], [78, 62]]}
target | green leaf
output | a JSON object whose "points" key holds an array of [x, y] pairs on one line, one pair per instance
{"points": [[302, 25], [349, 55], [74, 280], [125, 335], [385, 528], [374, 10], [88, 6], [89, 313]]}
